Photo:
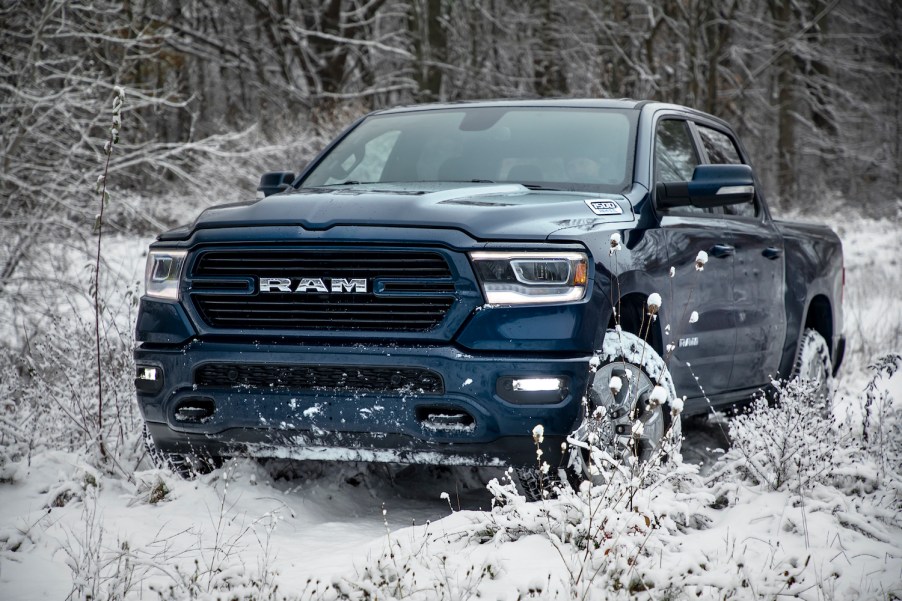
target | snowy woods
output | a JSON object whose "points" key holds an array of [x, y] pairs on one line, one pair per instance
{"points": [[219, 92], [791, 499], [813, 86]]}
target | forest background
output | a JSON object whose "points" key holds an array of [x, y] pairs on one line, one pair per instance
{"points": [[219, 92]]}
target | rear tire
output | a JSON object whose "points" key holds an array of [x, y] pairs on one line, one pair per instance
{"points": [[813, 366], [607, 430]]}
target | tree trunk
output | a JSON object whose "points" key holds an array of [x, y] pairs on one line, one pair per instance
{"points": [[781, 13]]}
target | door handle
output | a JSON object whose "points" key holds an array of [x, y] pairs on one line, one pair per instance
{"points": [[722, 250], [772, 252]]}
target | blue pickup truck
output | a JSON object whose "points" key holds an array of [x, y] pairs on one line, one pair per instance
{"points": [[443, 278]]}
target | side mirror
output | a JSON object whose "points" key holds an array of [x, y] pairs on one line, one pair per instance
{"points": [[711, 186], [273, 182]]}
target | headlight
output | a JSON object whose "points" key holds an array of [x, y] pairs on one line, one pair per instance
{"points": [[163, 273], [529, 278]]}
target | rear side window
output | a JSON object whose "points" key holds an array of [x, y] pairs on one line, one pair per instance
{"points": [[721, 150]]}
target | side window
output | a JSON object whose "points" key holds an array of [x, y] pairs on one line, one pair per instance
{"points": [[722, 151], [675, 157]]}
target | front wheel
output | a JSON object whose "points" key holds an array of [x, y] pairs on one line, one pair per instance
{"points": [[631, 414], [186, 466]]}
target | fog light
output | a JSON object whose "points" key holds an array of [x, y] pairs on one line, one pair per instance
{"points": [[537, 384], [148, 379], [147, 373], [538, 390]]}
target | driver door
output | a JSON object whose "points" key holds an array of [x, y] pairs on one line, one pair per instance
{"points": [[702, 358]]}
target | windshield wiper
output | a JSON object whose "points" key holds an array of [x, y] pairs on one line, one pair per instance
{"points": [[350, 182], [468, 181], [538, 187]]}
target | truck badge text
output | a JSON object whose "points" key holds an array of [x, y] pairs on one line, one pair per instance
{"points": [[313, 285]]}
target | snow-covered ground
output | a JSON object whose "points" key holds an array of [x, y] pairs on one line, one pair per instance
{"points": [[827, 527]]}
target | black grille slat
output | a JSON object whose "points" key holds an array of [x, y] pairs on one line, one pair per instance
{"points": [[419, 287], [389, 303], [214, 285], [319, 377], [305, 263], [419, 303], [315, 311], [241, 269], [314, 321], [317, 260]]}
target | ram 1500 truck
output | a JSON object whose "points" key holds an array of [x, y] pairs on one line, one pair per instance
{"points": [[441, 279]]}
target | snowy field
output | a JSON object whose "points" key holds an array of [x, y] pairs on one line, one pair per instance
{"points": [[804, 505]]}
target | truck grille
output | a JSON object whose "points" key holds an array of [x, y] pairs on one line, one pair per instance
{"points": [[319, 377], [417, 299]]}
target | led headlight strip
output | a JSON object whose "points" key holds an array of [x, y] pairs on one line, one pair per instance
{"points": [[163, 273], [531, 278]]}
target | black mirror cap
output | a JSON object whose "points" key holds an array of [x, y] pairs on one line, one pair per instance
{"points": [[672, 194], [274, 182], [711, 186], [721, 185]]}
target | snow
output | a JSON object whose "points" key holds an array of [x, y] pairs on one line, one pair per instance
{"points": [[701, 260], [709, 532], [538, 434], [594, 364], [654, 301], [658, 395]]}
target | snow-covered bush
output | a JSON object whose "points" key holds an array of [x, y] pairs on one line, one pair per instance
{"points": [[882, 414], [100, 571], [791, 444], [609, 535], [797, 443], [49, 394]]}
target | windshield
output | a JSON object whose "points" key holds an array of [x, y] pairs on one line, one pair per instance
{"points": [[552, 147]]}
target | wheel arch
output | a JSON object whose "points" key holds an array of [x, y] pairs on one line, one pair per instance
{"points": [[819, 317], [632, 310]]}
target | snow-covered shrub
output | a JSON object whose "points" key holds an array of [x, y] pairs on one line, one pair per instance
{"points": [[797, 443], [49, 394], [99, 571], [610, 535], [789, 445], [882, 414], [427, 570]]}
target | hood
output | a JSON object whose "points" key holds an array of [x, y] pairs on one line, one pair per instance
{"points": [[484, 211]]}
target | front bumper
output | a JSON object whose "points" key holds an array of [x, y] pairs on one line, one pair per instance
{"points": [[342, 424]]}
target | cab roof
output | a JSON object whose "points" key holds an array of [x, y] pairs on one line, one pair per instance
{"points": [[623, 103]]}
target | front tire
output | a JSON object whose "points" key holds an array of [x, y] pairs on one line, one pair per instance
{"points": [[186, 466], [633, 424]]}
